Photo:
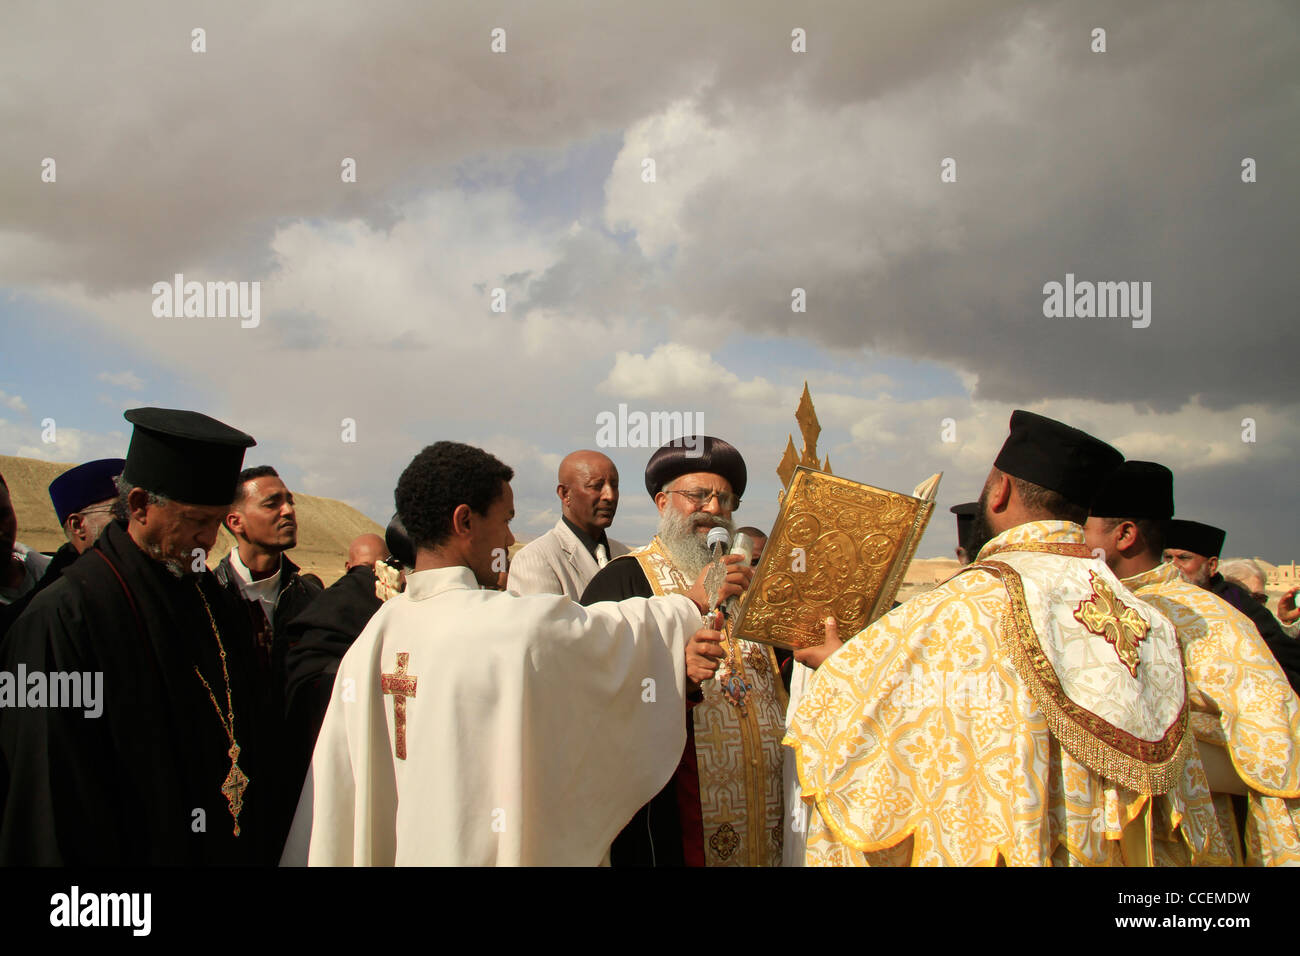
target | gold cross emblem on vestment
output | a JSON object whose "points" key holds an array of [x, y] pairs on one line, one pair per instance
{"points": [[1105, 615], [401, 686]]}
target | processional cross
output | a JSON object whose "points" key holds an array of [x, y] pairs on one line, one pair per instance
{"points": [[810, 429], [401, 686]]}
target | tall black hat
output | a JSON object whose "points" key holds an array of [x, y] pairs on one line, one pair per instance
{"points": [[965, 520], [685, 456], [1136, 489], [1056, 456], [84, 485], [1203, 539], [185, 456]]}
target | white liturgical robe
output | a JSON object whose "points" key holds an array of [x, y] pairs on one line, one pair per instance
{"points": [[473, 727]]}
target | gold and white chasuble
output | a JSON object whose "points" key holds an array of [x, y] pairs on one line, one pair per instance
{"points": [[737, 749], [1028, 711], [1240, 701], [477, 727]]}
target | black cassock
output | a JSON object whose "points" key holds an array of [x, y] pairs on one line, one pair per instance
{"points": [[127, 787], [318, 638]]}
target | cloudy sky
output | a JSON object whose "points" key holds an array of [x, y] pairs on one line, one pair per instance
{"points": [[525, 171]]}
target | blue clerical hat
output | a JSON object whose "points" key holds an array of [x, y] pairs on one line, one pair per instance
{"points": [[84, 485]]}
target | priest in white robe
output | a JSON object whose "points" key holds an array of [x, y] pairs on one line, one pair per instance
{"points": [[475, 727]]}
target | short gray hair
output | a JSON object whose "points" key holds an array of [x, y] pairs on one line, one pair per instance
{"points": [[124, 489]]}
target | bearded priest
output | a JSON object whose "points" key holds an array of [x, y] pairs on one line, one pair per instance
{"points": [[723, 805], [477, 727]]}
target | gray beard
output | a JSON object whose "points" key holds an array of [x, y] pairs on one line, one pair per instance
{"points": [[174, 567], [686, 548]]}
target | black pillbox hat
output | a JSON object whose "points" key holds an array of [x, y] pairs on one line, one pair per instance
{"points": [[965, 519], [1056, 456], [1203, 539], [1136, 489], [186, 456]]}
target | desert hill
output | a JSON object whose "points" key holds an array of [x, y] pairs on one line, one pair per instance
{"points": [[325, 526]]}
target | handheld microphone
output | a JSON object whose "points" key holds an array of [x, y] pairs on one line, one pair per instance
{"points": [[716, 541]]}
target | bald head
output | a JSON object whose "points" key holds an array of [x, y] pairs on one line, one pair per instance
{"points": [[366, 550], [588, 490]]}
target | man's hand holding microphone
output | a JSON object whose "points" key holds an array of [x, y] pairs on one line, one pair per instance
{"points": [[717, 592]]}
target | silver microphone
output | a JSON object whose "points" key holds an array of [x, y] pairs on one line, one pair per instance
{"points": [[717, 541]]}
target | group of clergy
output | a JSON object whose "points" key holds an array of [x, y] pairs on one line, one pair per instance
{"points": [[1069, 697]]}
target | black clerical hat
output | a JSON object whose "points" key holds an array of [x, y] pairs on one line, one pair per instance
{"points": [[185, 456], [685, 456], [399, 543], [965, 520], [1136, 489], [1203, 539], [1055, 456], [84, 485]]}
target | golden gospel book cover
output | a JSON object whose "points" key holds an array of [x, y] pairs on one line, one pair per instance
{"points": [[840, 548]]}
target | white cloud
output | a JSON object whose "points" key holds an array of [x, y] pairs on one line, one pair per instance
{"points": [[670, 371], [124, 379], [70, 445], [14, 402], [773, 171]]}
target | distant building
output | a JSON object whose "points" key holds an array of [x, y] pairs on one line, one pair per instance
{"points": [[1283, 578]]}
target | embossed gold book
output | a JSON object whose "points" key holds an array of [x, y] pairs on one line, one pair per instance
{"points": [[839, 548]]}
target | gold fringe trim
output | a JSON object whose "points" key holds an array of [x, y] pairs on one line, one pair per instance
{"points": [[1150, 767]]}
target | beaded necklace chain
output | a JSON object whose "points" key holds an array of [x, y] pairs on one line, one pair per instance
{"points": [[236, 781]]}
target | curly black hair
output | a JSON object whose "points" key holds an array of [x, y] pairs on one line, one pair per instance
{"points": [[440, 478]]}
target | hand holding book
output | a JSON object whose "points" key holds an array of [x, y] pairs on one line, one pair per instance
{"points": [[813, 656]]}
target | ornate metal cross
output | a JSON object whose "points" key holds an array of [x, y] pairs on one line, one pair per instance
{"points": [[234, 785]]}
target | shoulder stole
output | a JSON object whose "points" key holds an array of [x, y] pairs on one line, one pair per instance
{"points": [[1145, 766]]}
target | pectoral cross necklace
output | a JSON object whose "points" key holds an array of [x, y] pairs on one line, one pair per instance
{"points": [[236, 781]]}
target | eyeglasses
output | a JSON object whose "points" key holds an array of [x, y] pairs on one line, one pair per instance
{"points": [[97, 510], [726, 500]]}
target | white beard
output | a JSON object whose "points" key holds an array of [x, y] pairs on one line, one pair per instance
{"points": [[685, 546], [174, 567]]}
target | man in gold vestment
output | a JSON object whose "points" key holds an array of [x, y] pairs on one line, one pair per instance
{"points": [[723, 806], [1028, 711], [1244, 714]]}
